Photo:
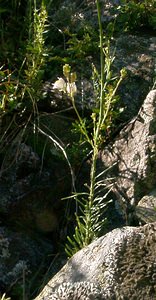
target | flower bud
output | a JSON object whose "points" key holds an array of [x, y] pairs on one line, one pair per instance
{"points": [[71, 89], [66, 70], [123, 72], [73, 77]]}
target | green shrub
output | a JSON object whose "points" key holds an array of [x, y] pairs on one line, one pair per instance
{"points": [[134, 15], [22, 67]]}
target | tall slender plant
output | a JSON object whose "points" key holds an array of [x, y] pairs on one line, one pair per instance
{"points": [[92, 204]]}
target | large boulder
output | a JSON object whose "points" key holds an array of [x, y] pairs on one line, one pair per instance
{"points": [[122, 263], [146, 208], [136, 54], [133, 157]]}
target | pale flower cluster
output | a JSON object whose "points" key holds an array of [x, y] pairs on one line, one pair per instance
{"points": [[69, 86], [62, 86]]}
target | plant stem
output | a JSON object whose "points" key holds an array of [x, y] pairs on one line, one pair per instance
{"points": [[86, 229], [101, 65], [89, 232], [83, 128], [97, 129]]}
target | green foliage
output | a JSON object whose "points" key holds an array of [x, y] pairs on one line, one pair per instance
{"points": [[78, 36], [71, 38], [134, 15], [35, 50], [81, 46], [90, 220], [21, 79], [9, 86], [12, 29]]}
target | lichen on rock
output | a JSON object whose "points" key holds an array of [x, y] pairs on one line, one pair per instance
{"points": [[78, 290], [122, 263]]}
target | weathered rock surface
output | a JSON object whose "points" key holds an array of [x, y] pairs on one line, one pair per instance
{"points": [[133, 155], [146, 208], [122, 262], [138, 57]]}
